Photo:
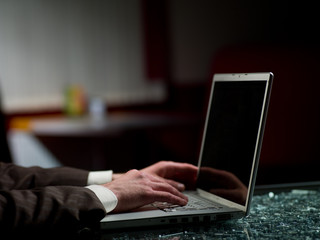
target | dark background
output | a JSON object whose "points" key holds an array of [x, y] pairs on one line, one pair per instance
{"points": [[185, 43]]}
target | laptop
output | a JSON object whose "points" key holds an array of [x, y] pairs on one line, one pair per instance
{"points": [[228, 159]]}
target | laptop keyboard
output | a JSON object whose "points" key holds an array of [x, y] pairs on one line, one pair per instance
{"points": [[194, 203]]}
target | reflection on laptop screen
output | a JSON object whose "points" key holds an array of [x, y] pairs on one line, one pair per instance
{"points": [[231, 138]]}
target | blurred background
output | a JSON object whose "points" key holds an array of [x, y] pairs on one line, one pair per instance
{"points": [[122, 84]]}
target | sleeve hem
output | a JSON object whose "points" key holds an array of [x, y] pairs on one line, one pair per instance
{"points": [[106, 196]]}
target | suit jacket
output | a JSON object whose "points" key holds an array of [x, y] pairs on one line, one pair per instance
{"points": [[46, 199]]}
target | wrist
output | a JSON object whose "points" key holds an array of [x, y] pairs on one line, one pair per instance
{"points": [[116, 175]]}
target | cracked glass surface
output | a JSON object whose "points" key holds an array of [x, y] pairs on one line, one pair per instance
{"points": [[286, 215]]}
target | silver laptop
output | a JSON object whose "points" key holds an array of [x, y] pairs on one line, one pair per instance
{"points": [[228, 159]]}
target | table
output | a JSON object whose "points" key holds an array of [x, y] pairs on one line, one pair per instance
{"points": [[121, 141], [113, 124], [293, 214]]}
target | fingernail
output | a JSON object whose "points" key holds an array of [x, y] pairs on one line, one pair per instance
{"points": [[185, 202]]}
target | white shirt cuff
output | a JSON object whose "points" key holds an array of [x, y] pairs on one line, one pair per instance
{"points": [[106, 196], [99, 177]]}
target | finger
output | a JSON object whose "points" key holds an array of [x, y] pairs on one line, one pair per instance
{"points": [[180, 170], [167, 184], [170, 198], [179, 186], [165, 187], [161, 188], [183, 172]]}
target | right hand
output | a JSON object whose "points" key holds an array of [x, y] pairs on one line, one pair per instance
{"points": [[135, 189]]}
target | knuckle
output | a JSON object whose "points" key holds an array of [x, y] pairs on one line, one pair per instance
{"points": [[133, 171], [163, 163], [167, 162], [144, 177]]}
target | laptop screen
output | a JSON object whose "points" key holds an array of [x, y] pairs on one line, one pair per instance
{"points": [[231, 137]]}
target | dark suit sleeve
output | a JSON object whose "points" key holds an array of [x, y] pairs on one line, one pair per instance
{"points": [[40, 199], [64, 208], [16, 177]]}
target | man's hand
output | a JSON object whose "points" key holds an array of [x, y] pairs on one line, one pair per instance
{"points": [[138, 188], [175, 173]]}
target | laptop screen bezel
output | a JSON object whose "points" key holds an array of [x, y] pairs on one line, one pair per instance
{"points": [[236, 77]]}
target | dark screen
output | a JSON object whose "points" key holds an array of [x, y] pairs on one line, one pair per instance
{"points": [[231, 138]]}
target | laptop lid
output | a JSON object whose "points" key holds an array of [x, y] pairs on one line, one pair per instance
{"points": [[233, 135]]}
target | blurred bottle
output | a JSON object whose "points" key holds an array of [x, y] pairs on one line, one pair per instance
{"points": [[75, 101], [97, 109]]}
